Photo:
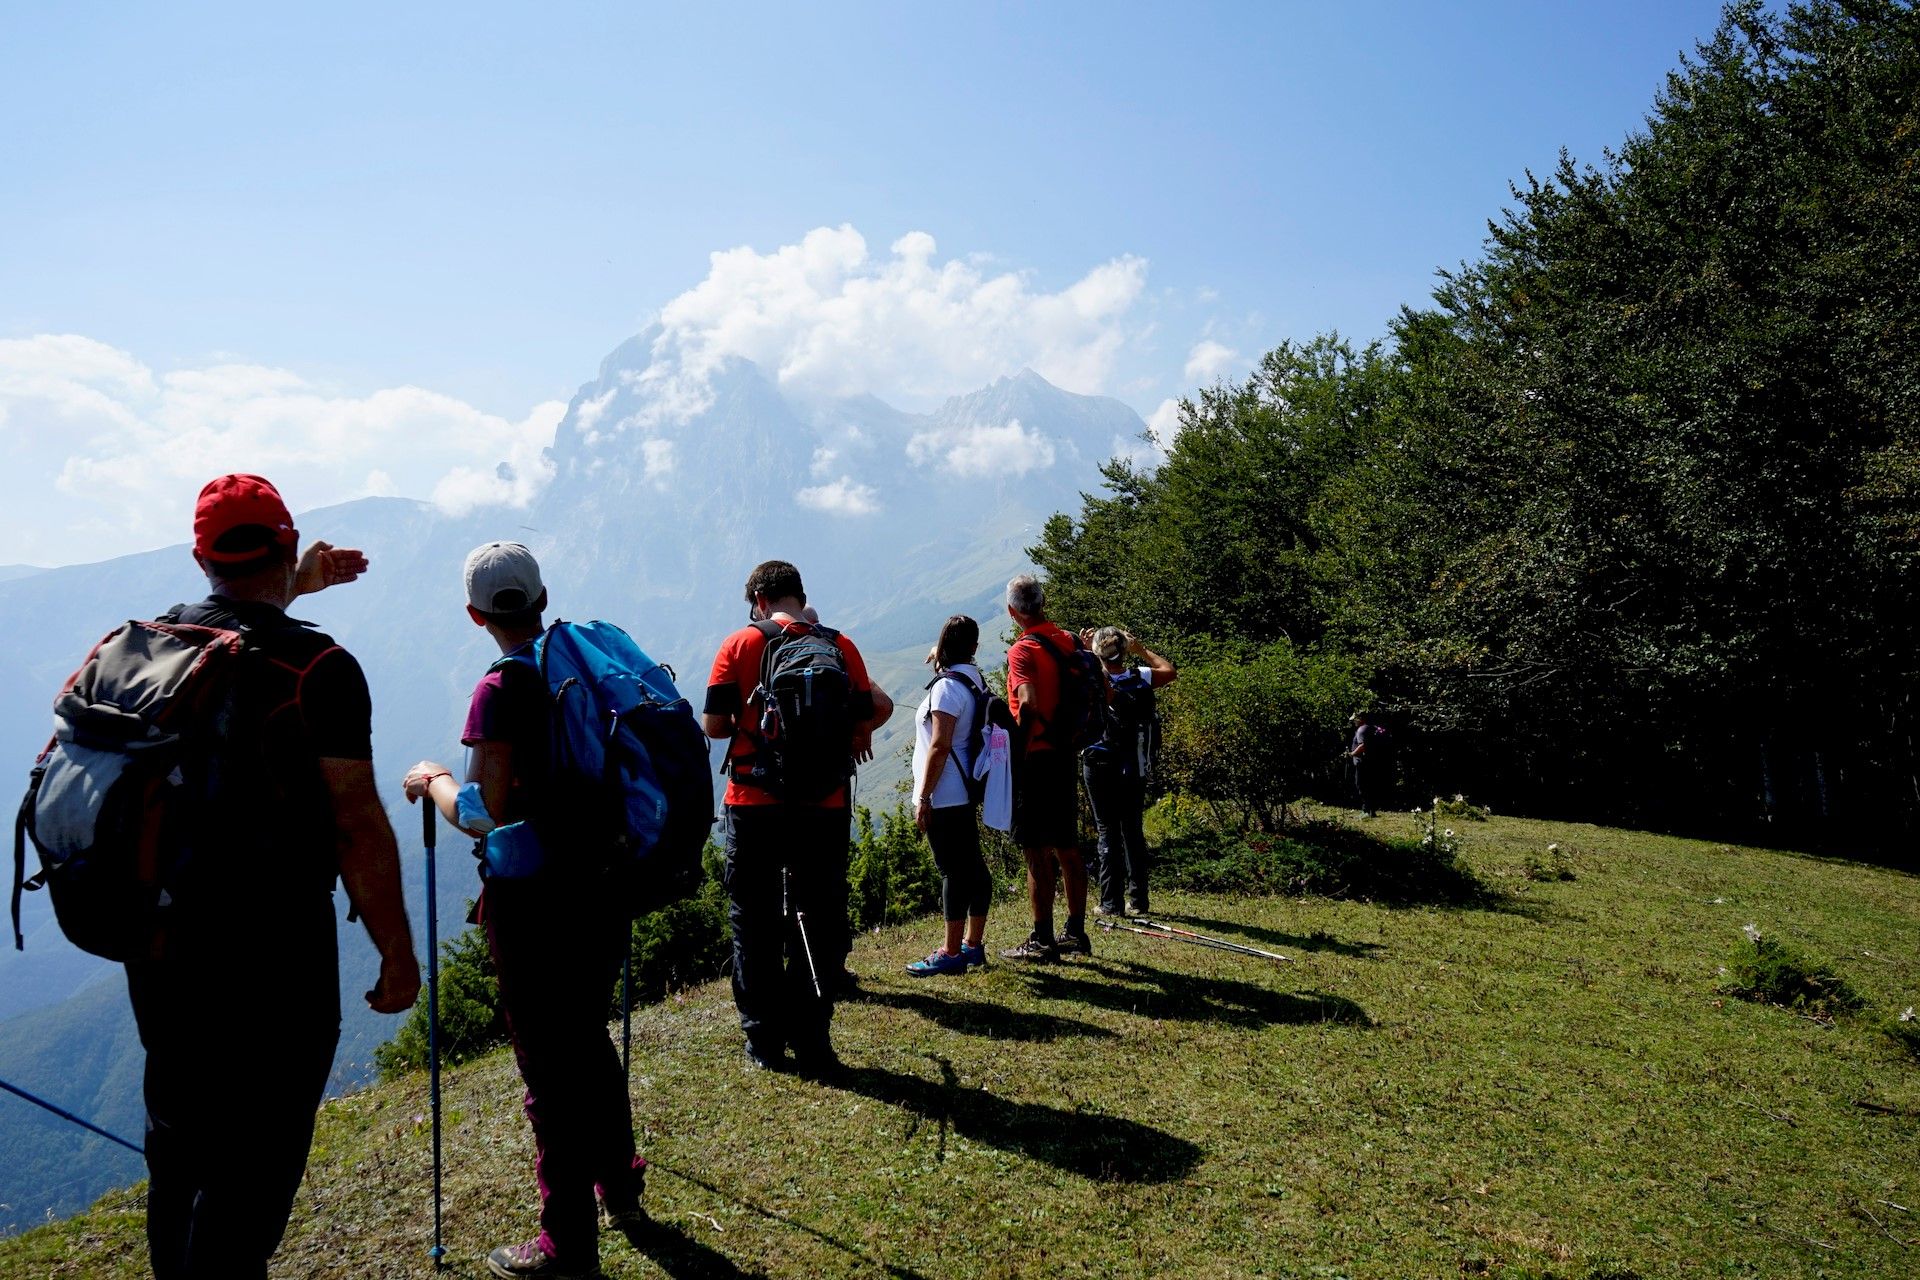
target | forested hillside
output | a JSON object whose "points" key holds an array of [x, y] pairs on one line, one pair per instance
{"points": [[1626, 522]]}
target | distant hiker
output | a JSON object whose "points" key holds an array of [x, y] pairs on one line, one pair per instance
{"points": [[948, 733], [556, 935], [1368, 754], [1117, 766], [238, 1004], [1056, 692], [794, 702]]}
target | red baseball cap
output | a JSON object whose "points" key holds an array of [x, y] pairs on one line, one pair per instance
{"points": [[234, 502]]}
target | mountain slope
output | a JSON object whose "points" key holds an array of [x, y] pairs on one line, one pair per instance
{"points": [[668, 485], [1548, 1085]]}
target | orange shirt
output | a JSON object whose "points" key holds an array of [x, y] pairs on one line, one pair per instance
{"points": [[1034, 678], [736, 674]]}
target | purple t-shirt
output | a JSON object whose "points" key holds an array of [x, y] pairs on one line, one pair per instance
{"points": [[510, 706]]}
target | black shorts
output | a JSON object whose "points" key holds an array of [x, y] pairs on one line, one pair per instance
{"points": [[1046, 801]]}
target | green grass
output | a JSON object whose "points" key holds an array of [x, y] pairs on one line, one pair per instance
{"points": [[1543, 1083]]}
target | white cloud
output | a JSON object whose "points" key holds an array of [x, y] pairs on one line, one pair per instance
{"points": [[1164, 422], [823, 460], [843, 497], [658, 459], [1009, 449], [1208, 360], [827, 316], [128, 448]]}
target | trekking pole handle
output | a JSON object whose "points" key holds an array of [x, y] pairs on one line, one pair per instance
{"points": [[427, 816]]}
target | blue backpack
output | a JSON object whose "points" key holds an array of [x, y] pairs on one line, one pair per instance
{"points": [[630, 781]]}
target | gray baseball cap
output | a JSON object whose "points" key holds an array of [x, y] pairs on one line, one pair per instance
{"points": [[502, 577]]}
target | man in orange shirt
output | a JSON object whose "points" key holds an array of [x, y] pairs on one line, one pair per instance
{"points": [[794, 700], [1046, 799]]}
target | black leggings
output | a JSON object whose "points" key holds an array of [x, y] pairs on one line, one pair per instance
{"points": [[965, 889]]}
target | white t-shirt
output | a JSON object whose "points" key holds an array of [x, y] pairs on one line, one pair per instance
{"points": [[956, 700]]}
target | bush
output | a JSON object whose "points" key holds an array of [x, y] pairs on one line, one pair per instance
{"points": [[1321, 858], [685, 943], [1248, 737], [471, 1019], [1768, 971], [891, 877]]}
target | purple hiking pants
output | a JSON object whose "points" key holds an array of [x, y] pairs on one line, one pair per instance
{"points": [[557, 953]]}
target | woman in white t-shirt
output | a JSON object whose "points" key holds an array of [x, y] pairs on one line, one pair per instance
{"points": [[942, 805]]}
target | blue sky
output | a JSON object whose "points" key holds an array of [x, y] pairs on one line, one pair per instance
{"points": [[432, 221]]}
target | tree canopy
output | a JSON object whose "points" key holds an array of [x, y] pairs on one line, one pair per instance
{"points": [[1626, 522]]}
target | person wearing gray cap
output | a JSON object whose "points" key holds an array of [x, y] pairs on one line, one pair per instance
{"points": [[556, 944], [1116, 767]]}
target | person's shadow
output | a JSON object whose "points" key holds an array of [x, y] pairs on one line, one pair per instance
{"points": [[1316, 941], [982, 1018], [1164, 993], [681, 1255], [1105, 1148]]}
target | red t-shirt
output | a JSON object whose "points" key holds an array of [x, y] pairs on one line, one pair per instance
{"points": [[1034, 677], [736, 674]]}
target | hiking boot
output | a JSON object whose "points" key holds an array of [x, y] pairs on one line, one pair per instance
{"points": [[765, 1058], [1033, 948], [624, 1213], [1102, 909], [818, 1062], [939, 962], [531, 1259], [974, 954], [1138, 908], [1074, 943]]}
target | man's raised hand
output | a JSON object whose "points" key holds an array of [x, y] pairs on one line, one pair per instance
{"points": [[324, 565]]}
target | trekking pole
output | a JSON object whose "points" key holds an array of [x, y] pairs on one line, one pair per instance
{"points": [[626, 1008], [800, 919], [1154, 929], [67, 1115], [427, 814]]}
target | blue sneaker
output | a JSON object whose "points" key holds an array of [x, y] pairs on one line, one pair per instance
{"points": [[975, 956], [938, 962]]}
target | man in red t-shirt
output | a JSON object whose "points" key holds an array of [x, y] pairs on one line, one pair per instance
{"points": [[1046, 799], [788, 764]]}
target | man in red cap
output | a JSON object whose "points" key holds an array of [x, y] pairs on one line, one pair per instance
{"points": [[230, 1110]]}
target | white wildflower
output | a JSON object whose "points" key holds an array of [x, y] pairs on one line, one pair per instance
{"points": [[1449, 833], [1716, 902], [1906, 1015], [1553, 848], [1752, 931]]}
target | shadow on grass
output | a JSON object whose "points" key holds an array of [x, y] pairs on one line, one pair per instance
{"points": [[678, 1253], [679, 1250], [1105, 1148], [1152, 992], [1319, 940], [982, 1018]]}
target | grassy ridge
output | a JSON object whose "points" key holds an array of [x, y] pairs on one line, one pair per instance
{"points": [[1548, 1084]]}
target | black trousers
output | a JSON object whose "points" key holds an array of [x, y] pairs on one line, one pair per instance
{"points": [[785, 862], [1118, 802], [966, 887], [1367, 785], [239, 1042]]}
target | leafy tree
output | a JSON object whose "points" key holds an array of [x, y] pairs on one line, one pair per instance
{"points": [[1250, 737]]}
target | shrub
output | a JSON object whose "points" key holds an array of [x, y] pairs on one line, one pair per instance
{"points": [[471, 1019], [1248, 737], [1323, 858], [1554, 864], [1768, 971], [891, 877]]}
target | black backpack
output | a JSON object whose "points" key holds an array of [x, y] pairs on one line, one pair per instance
{"points": [[1081, 716], [805, 700], [988, 708], [156, 767], [1132, 737]]}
